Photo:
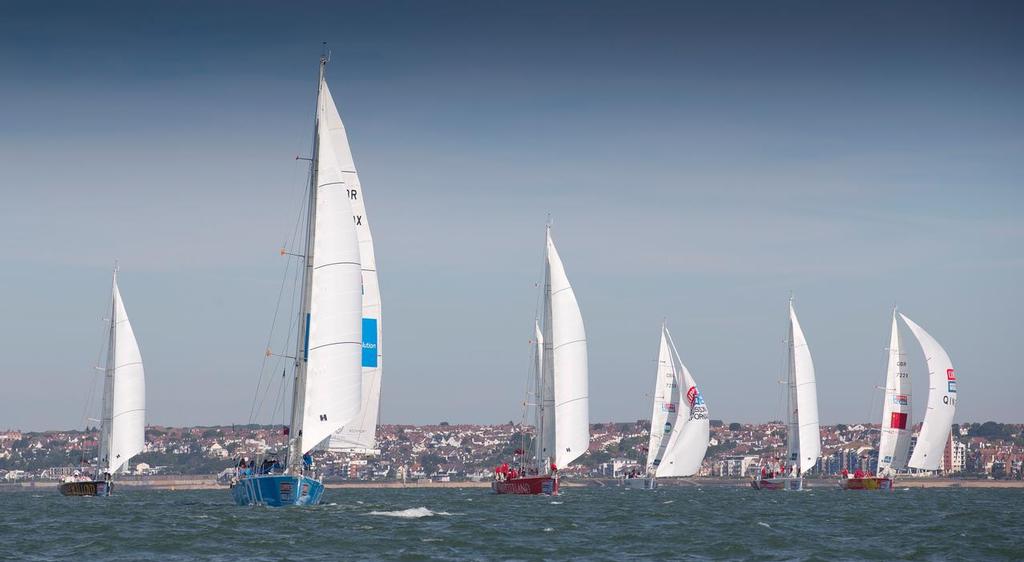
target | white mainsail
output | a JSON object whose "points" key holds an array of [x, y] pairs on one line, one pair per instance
{"points": [[688, 442], [568, 365], [942, 395], [123, 431], [894, 443], [359, 434], [804, 437], [666, 404], [330, 389]]}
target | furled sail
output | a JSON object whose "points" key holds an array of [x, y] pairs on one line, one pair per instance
{"points": [[942, 397], [666, 404], [332, 395], [359, 434], [125, 393], [894, 443], [804, 435], [569, 362], [688, 441]]}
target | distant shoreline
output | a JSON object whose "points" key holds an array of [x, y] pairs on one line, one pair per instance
{"points": [[209, 483]]}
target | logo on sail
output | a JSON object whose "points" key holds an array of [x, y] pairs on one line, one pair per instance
{"points": [[900, 400], [952, 386], [898, 421], [668, 407], [694, 397], [950, 375], [369, 342]]}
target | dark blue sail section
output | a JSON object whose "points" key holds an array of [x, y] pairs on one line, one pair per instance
{"points": [[276, 490]]}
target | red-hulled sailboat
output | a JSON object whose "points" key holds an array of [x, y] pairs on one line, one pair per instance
{"points": [[560, 395]]}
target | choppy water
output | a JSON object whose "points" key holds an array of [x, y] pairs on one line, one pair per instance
{"points": [[685, 523]]}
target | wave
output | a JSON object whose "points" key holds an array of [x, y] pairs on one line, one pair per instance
{"points": [[411, 513]]}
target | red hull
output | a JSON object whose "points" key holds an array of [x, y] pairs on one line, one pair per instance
{"points": [[527, 486], [868, 483]]}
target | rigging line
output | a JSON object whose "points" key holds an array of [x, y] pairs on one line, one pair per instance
{"points": [[253, 411], [104, 334], [280, 359]]}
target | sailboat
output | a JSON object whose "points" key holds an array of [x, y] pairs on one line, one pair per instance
{"points": [[561, 409], [122, 427], [803, 436], [678, 442], [894, 444], [327, 388]]}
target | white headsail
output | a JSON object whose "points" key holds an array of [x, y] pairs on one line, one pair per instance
{"points": [[332, 393], [688, 441], [359, 434], [804, 438], [124, 398], [544, 395], [569, 362], [894, 443], [666, 404], [942, 396]]}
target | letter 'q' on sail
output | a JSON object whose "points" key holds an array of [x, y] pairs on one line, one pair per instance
{"points": [[942, 396], [569, 369]]}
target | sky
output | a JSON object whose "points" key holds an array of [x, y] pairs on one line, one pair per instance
{"points": [[700, 163]]}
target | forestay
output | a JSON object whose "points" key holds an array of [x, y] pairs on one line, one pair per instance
{"points": [[942, 395]]}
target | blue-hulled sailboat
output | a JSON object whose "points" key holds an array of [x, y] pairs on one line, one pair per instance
{"points": [[327, 385]]}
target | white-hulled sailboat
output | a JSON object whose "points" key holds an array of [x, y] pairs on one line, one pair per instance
{"points": [[328, 375], [678, 442], [803, 436], [562, 415], [123, 422], [894, 443]]}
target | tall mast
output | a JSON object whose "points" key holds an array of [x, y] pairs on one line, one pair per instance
{"points": [[302, 341], [107, 417]]}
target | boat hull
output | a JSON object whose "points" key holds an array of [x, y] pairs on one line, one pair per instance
{"points": [[868, 483], [784, 483], [87, 488], [528, 486], [277, 490], [645, 483]]}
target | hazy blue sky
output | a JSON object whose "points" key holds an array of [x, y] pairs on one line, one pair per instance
{"points": [[699, 162]]}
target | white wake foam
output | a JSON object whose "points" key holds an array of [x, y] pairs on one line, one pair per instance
{"points": [[411, 513]]}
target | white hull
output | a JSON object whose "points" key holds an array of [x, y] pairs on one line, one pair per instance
{"points": [[646, 483]]}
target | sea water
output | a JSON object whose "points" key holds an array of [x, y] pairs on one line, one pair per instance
{"points": [[610, 523]]}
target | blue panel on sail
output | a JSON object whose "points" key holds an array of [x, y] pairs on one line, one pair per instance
{"points": [[369, 342]]}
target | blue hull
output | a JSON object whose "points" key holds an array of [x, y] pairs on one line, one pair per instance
{"points": [[276, 490]]}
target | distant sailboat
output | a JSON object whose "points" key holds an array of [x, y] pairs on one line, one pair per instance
{"points": [[562, 417], [678, 442], [803, 436], [122, 427], [894, 444], [328, 376]]}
